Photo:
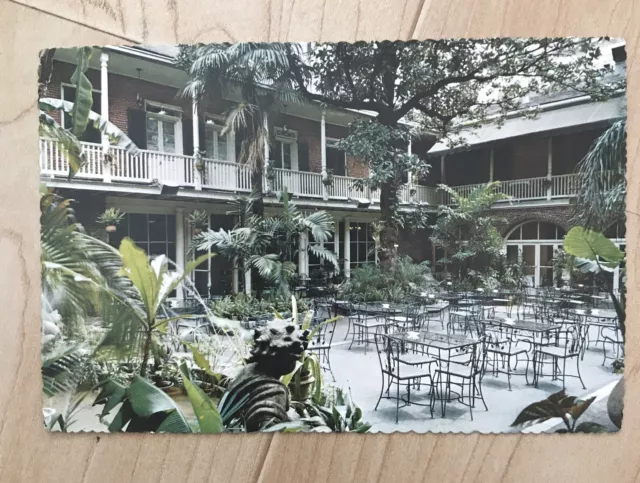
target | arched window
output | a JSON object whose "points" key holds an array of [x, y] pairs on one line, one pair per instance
{"points": [[537, 230]]}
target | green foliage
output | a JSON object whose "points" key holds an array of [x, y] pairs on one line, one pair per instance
{"points": [[402, 279], [602, 185], [198, 219], [467, 232], [243, 307], [267, 244], [559, 405], [111, 216]]}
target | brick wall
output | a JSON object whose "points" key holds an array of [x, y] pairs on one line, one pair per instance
{"points": [[560, 215]]}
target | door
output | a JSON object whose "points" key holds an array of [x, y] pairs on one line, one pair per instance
{"points": [[164, 138]]}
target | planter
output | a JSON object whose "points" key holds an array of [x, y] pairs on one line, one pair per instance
{"points": [[110, 228], [306, 383], [197, 231], [164, 386], [615, 403]]}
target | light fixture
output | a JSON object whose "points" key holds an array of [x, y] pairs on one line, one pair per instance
{"points": [[139, 99]]}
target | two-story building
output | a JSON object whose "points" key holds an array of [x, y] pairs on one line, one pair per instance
{"points": [[138, 89]]}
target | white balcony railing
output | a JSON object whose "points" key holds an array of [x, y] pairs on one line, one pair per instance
{"points": [[148, 166]]}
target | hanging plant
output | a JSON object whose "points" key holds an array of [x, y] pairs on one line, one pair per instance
{"points": [[271, 173], [200, 164], [111, 218], [328, 179], [198, 220]]}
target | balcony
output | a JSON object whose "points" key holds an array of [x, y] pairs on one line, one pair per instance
{"points": [[148, 167]]}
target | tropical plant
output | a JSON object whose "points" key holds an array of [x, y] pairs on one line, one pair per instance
{"points": [[267, 244], [243, 306], [260, 72], [601, 180], [111, 217], [467, 231], [198, 220], [403, 279], [596, 254], [140, 323], [567, 408], [80, 112]]}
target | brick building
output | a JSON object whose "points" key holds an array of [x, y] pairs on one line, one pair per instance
{"points": [[139, 90]]}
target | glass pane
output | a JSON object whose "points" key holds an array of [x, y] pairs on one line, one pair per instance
{"points": [[546, 255], [152, 134], [201, 280], [157, 228], [547, 231], [516, 234], [159, 248], [144, 246], [138, 227], [209, 143], [222, 147], [512, 253], [171, 251], [529, 256], [546, 276], [286, 156], [168, 137], [171, 227], [530, 231]]}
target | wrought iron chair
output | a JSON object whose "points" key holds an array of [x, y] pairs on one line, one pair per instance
{"points": [[365, 324], [570, 345], [464, 372], [611, 337], [503, 346], [320, 341], [399, 373]]}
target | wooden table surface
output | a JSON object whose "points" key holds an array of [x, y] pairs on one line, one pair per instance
{"points": [[28, 453]]}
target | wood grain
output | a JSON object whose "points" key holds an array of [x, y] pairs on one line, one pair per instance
{"points": [[28, 453]]}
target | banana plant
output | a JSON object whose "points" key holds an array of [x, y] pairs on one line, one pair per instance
{"points": [[597, 254], [153, 284]]}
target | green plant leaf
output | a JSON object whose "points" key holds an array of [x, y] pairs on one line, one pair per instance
{"points": [[84, 93], [591, 245], [580, 407], [146, 399], [558, 405], [175, 422], [136, 267], [206, 412]]}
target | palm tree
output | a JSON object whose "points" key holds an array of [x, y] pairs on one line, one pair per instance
{"points": [[262, 74], [601, 180], [254, 239]]}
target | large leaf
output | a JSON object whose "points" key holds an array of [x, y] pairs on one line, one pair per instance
{"points": [[206, 412], [84, 93], [136, 267], [557, 405], [591, 245], [146, 399], [67, 142]]}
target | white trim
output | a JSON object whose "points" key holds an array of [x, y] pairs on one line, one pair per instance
{"points": [[217, 126], [293, 143], [176, 120], [330, 143]]}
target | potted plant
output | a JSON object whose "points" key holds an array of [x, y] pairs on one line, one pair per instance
{"points": [[199, 164], [328, 179], [198, 220], [111, 218]]}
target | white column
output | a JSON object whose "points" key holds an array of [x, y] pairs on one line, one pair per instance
{"points": [[549, 166], [443, 171], [336, 238], [197, 175], [323, 151], [104, 112], [180, 244], [409, 173], [247, 282], [491, 163], [303, 256], [265, 181], [347, 248]]}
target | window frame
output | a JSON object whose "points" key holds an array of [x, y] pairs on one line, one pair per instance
{"points": [[177, 120]]}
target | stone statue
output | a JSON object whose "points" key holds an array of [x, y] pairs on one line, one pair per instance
{"points": [[277, 348]]}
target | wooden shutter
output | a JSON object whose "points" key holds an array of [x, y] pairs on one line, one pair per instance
{"points": [[187, 137], [138, 127], [303, 156]]}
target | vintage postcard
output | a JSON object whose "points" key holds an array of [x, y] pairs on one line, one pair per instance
{"points": [[358, 237]]}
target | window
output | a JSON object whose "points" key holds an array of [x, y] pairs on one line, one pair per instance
{"points": [[537, 231], [164, 128], [155, 234], [336, 158], [216, 145], [285, 154], [362, 246], [91, 134]]}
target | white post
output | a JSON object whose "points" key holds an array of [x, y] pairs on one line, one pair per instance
{"points": [[336, 239], [323, 151], [409, 174], [347, 249], [491, 162], [247, 282], [303, 258], [104, 112], [265, 181], [180, 244], [443, 171], [549, 167], [197, 175]]}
